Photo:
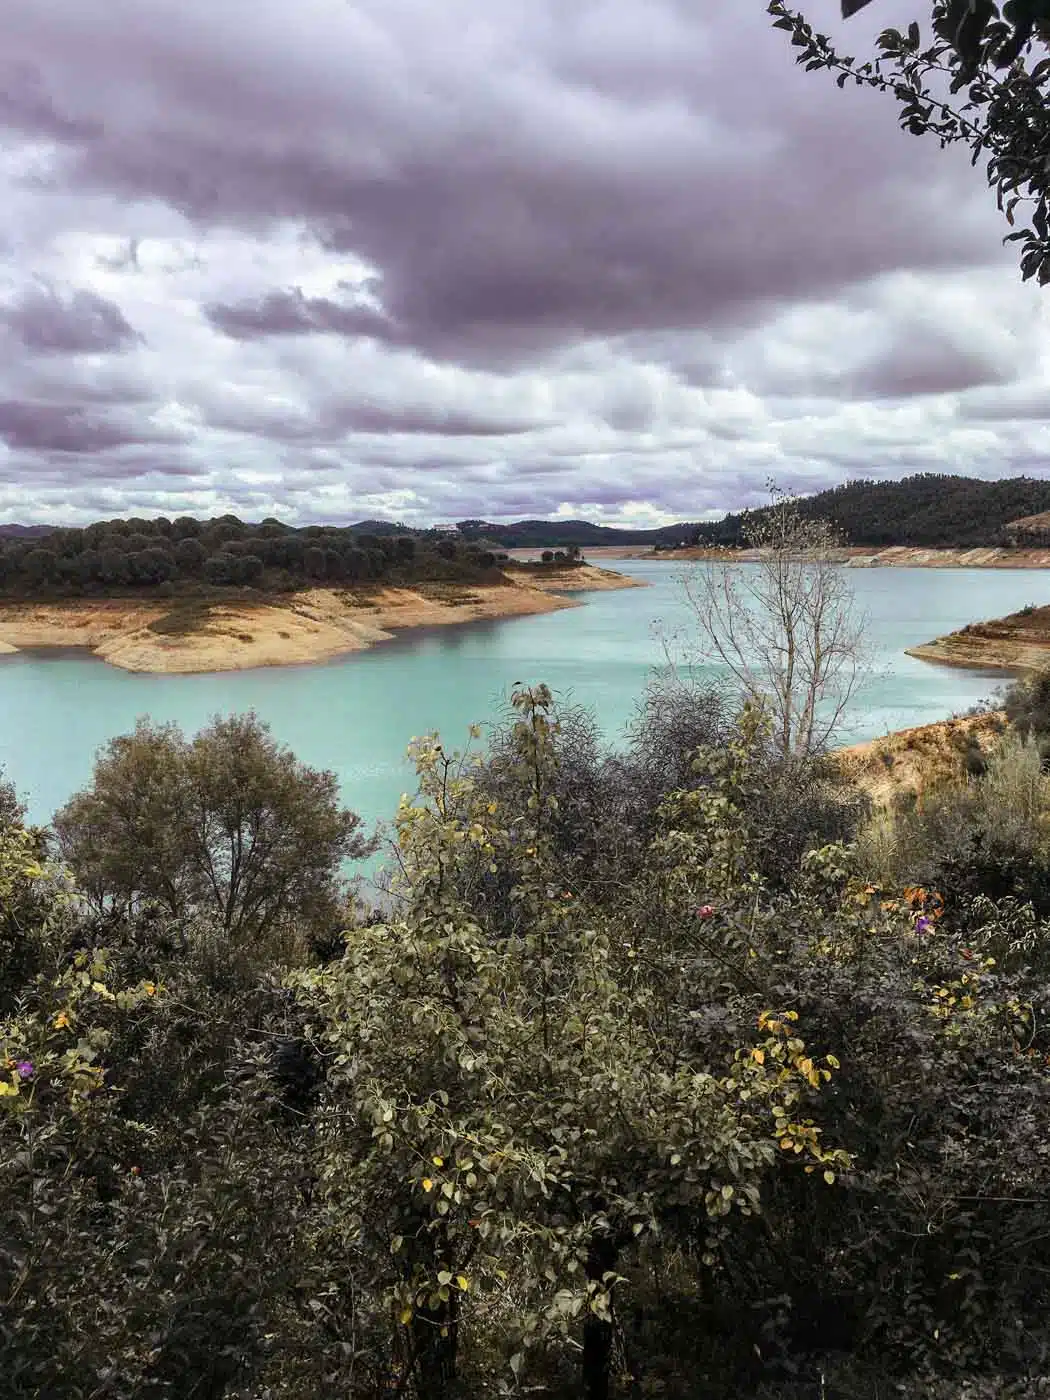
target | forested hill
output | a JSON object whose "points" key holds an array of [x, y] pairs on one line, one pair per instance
{"points": [[926, 510], [562, 534], [199, 555]]}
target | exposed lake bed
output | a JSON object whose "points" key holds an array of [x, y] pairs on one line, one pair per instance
{"points": [[190, 635]]}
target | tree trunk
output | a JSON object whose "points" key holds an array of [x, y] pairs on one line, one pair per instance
{"points": [[597, 1332]]}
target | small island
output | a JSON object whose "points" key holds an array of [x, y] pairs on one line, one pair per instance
{"points": [[192, 596]]}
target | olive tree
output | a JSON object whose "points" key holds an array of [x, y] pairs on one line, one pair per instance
{"points": [[784, 626], [229, 825]]}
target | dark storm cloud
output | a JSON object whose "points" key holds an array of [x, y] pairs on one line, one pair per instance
{"points": [[614, 182], [335, 421], [292, 313], [931, 366], [70, 429], [28, 107], [51, 322], [568, 233]]}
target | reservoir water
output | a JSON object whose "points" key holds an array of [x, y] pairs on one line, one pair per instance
{"points": [[356, 715]]}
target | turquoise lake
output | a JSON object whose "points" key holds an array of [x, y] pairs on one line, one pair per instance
{"points": [[356, 715]]}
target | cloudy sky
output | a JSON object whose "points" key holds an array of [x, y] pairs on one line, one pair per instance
{"points": [[330, 259]]}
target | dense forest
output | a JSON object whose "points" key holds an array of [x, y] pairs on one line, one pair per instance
{"points": [[674, 1071], [924, 511], [188, 555], [927, 510]]}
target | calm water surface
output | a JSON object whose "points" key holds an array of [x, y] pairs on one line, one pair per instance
{"points": [[356, 715]]}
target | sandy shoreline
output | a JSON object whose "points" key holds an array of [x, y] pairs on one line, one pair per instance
{"points": [[191, 636]]}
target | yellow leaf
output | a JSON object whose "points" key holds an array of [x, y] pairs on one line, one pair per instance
{"points": [[438, 1161], [832, 1061], [463, 1282], [60, 1021], [427, 1184], [406, 1316], [829, 1177], [759, 1056]]}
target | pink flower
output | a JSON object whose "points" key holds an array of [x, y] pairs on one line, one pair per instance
{"points": [[706, 911]]}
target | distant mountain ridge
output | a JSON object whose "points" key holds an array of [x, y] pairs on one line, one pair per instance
{"points": [[539, 534], [928, 510], [25, 532]]}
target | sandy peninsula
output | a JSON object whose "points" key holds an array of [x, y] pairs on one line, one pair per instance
{"points": [[176, 636], [1017, 643]]}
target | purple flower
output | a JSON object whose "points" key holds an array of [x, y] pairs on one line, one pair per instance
{"points": [[922, 924], [25, 1069]]}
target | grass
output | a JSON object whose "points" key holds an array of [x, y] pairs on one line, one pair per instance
{"points": [[185, 618], [355, 600], [454, 594]]}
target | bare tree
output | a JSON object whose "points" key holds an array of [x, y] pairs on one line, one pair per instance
{"points": [[784, 624]]}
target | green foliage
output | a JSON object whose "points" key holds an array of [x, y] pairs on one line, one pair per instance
{"points": [[979, 56], [929, 510], [988, 834], [676, 1114], [228, 824], [1027, 705], [206, 558], [528, 1131]]}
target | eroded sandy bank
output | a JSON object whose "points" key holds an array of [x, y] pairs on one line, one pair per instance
{"points": [[178, 636], [913, 760], [1019, 642]]}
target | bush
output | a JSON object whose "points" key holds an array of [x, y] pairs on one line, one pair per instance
{"points": [[228, 824]]}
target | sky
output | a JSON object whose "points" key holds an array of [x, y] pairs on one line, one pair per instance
{"points": [[427, 260]]}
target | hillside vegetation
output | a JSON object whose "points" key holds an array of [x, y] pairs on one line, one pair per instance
{"points": [[928, 510], [189, 555], [664, 1072]]}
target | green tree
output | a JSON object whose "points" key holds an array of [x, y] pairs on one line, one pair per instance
{"points": [[229, 825], [508, 1120], [981, 81]]}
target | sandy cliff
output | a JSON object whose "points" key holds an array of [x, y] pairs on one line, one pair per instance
{"points": [[913, 760], [175, 636]]}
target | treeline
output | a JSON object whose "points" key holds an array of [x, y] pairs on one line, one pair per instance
{"points": [[925, 511], [563, 534], [186, 554], [661, 1072]]}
